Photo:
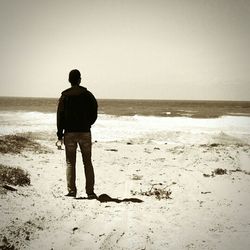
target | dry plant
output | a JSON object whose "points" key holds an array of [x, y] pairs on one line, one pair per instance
{"points": [[220, 171], [14, 176], [6, 245], [158, 192], [15, 144], [217, 171]]}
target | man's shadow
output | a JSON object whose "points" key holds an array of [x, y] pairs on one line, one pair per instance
{"points": [[106, 198]]}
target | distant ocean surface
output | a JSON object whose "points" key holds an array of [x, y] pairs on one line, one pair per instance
{"points": [[194, 109], [141, 120]]}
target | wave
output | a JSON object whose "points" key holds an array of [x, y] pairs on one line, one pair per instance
{"points": [[137, 127], [167, 129], [21, 122]]}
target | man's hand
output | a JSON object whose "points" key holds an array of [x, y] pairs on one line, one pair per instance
{"points": [[59, 144]]}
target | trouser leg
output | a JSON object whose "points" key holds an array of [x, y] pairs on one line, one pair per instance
{"points": [[85, 146], [70, 149]]}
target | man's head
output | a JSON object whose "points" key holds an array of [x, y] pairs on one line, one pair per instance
{"points": [[74, 77]]}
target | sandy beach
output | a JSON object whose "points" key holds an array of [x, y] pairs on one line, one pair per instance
{"points": [[164, 88], [152, 196]]}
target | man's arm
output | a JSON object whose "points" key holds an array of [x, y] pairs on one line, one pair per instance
{"points": [[93, 108], [60, 118]]}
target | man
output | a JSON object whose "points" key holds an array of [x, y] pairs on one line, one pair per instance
{"points": [[77, 111]]}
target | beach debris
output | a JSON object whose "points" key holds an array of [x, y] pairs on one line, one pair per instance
{"points": [[129, 143], [8, 187], [120, 237], [206, 175], [219, 171], [137, 177], [156, 191], [239, 170], [200, 202], [235, 170], [212, 145], [74, 229], [159, 159], [147, 151], [27, 235], [112, 149], [207, 192], [156, 148]]}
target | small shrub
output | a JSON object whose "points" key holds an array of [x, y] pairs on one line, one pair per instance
{"points": [[14, 176], [219, 171], [17, 143], [6, 245], [158, 192]]}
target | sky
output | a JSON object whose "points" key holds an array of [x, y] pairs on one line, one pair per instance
{"points": [[129, 49]]}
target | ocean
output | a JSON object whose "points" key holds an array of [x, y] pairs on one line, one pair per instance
{"points": [[161, 121], [163, 108]]}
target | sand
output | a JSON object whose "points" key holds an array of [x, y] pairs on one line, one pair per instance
{"points": [[203, 210]]}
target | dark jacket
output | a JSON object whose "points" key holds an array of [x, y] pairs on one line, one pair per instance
{"points": [[77, 111]]}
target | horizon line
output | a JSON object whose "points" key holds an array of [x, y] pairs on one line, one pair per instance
{"points": [[137, 99]]}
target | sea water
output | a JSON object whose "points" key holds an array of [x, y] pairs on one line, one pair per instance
{"points": [[141, 120]]}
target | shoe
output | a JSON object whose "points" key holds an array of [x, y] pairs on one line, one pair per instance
{"points": [[92, 196], [71, 194]]}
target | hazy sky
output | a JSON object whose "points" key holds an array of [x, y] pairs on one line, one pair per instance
{"points": [[189, 49]]}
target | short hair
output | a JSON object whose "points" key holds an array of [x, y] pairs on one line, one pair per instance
{"points": [[74, 77]]}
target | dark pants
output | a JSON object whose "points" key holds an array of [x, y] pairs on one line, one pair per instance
{"points": [[84, 140]]}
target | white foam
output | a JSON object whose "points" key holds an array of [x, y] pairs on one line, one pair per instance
{"points": [[162, 128], [115, 128], [21, 122]]}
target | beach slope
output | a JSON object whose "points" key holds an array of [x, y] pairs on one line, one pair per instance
{"points": [[152, 196]]}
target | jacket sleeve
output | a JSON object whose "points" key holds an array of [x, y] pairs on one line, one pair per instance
{"points": [[93, 108], [60, 118]]}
